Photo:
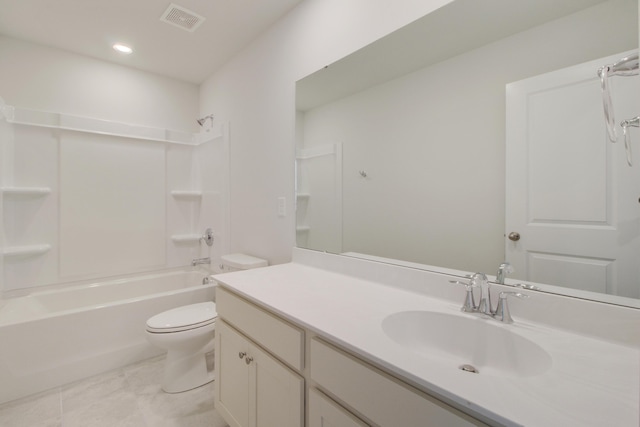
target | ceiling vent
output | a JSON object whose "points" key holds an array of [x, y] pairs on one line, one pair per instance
{"points": [[182, 18]]}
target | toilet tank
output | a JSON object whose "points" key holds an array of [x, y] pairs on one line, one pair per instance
{"points": [[236, 262]]}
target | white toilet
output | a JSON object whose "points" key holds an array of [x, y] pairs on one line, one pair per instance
{"points": [[187, 334]]}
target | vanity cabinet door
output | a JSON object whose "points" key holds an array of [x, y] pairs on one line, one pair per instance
{"points": [[254, 389], [278, 393], [324, 412], [232, 376]]}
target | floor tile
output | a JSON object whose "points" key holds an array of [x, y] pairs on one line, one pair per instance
{"points": [[145, 378], [94, 389], [191, 408], [127, 397], [116, 409], [40, 410]]}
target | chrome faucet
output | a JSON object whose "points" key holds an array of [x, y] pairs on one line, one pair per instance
{"points": [[197, 261], [479, 280], [503, 270], [208, 280]]}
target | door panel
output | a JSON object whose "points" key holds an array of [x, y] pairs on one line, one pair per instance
{"points": [[570, 193]]}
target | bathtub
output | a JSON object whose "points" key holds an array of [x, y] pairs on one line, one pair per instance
{"points": [[59, 335]]}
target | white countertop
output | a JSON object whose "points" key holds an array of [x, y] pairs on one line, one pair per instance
{"points": [[590, 382]]}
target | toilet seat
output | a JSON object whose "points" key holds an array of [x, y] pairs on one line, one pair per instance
{"points": [[183, 318]]}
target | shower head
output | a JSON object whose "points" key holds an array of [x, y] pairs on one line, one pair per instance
{"points": [[203, 120]]}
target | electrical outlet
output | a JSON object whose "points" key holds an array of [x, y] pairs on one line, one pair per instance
{"points": [[282, 206]]}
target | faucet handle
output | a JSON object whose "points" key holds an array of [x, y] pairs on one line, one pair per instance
{"points": [[469, 304], [207, 237], [502, 311], [504, 269], [507, 267]]}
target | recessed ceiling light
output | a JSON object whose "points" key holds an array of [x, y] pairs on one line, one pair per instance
{"points": [[122, 48]]}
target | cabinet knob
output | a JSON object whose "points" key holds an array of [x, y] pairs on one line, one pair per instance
{"points": [[248, 360], [242, 354]]}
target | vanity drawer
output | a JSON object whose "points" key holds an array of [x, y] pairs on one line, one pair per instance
{"points": [[325, 412], [283, 340], [377, 395]]}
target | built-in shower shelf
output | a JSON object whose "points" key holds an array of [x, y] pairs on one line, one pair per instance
{"points": [[187, 194], [26, 250], [186, 238], [303, 196], [303, 229], [26, 191]]}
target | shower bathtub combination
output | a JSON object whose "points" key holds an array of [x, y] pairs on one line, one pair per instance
{"points": [[59, 335], [98, 223]]}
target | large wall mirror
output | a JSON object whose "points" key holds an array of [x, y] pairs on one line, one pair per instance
{"points": [[478, 122]]}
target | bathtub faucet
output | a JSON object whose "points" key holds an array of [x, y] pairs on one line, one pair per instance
{"points": [[197, 261]]}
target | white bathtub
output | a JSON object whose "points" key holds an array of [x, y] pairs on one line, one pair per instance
{"points": [[56, 336]]}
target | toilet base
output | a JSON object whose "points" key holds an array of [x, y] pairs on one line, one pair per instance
{"points": [[183, 372], [185, 366]]}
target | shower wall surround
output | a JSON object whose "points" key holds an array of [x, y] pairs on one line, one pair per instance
{"points": [[116, 208], [87, 204]]}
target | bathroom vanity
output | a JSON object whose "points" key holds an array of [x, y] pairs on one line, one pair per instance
{"points": [[329, 340]]}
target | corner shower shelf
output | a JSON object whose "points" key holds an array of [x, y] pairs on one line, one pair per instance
{"points": [[26, 250], [186, 238], [303, 229], [303, 196], [186, 194], [26, 191]]}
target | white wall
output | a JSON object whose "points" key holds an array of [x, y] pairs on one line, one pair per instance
{"points": [[42, 78], [432, 144], [256, 92]]}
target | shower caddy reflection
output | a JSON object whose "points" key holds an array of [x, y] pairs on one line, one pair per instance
{"points": [[627, 66]]}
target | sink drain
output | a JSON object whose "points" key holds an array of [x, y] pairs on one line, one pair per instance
{"points": [[469, 368]]}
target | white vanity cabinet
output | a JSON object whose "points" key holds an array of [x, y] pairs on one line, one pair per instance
{"points": [[261, 375], [381, 398], [253, 387]]}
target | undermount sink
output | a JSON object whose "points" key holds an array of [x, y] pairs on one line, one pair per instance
{"points": [[471, 343]]}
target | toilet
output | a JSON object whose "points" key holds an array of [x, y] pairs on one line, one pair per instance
{"points": [[236, 262], [187, 334]]}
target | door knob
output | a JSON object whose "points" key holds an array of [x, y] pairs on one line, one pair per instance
{"points": [[514, 236]]}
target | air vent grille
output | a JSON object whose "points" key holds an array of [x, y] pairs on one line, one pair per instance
{"points": [[182, 18]]}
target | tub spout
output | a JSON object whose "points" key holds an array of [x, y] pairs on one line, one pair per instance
{"points": [[197, 261]]}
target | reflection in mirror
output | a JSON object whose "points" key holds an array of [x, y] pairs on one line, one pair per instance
{"points": [[403, 147]]}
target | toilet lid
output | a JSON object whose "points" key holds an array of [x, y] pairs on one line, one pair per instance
{"points": [[185, 317]]}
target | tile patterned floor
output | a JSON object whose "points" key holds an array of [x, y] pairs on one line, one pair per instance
{"points": [[127, 397]]}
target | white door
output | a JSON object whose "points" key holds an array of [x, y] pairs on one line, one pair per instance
{"points": [[570, 194]]}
